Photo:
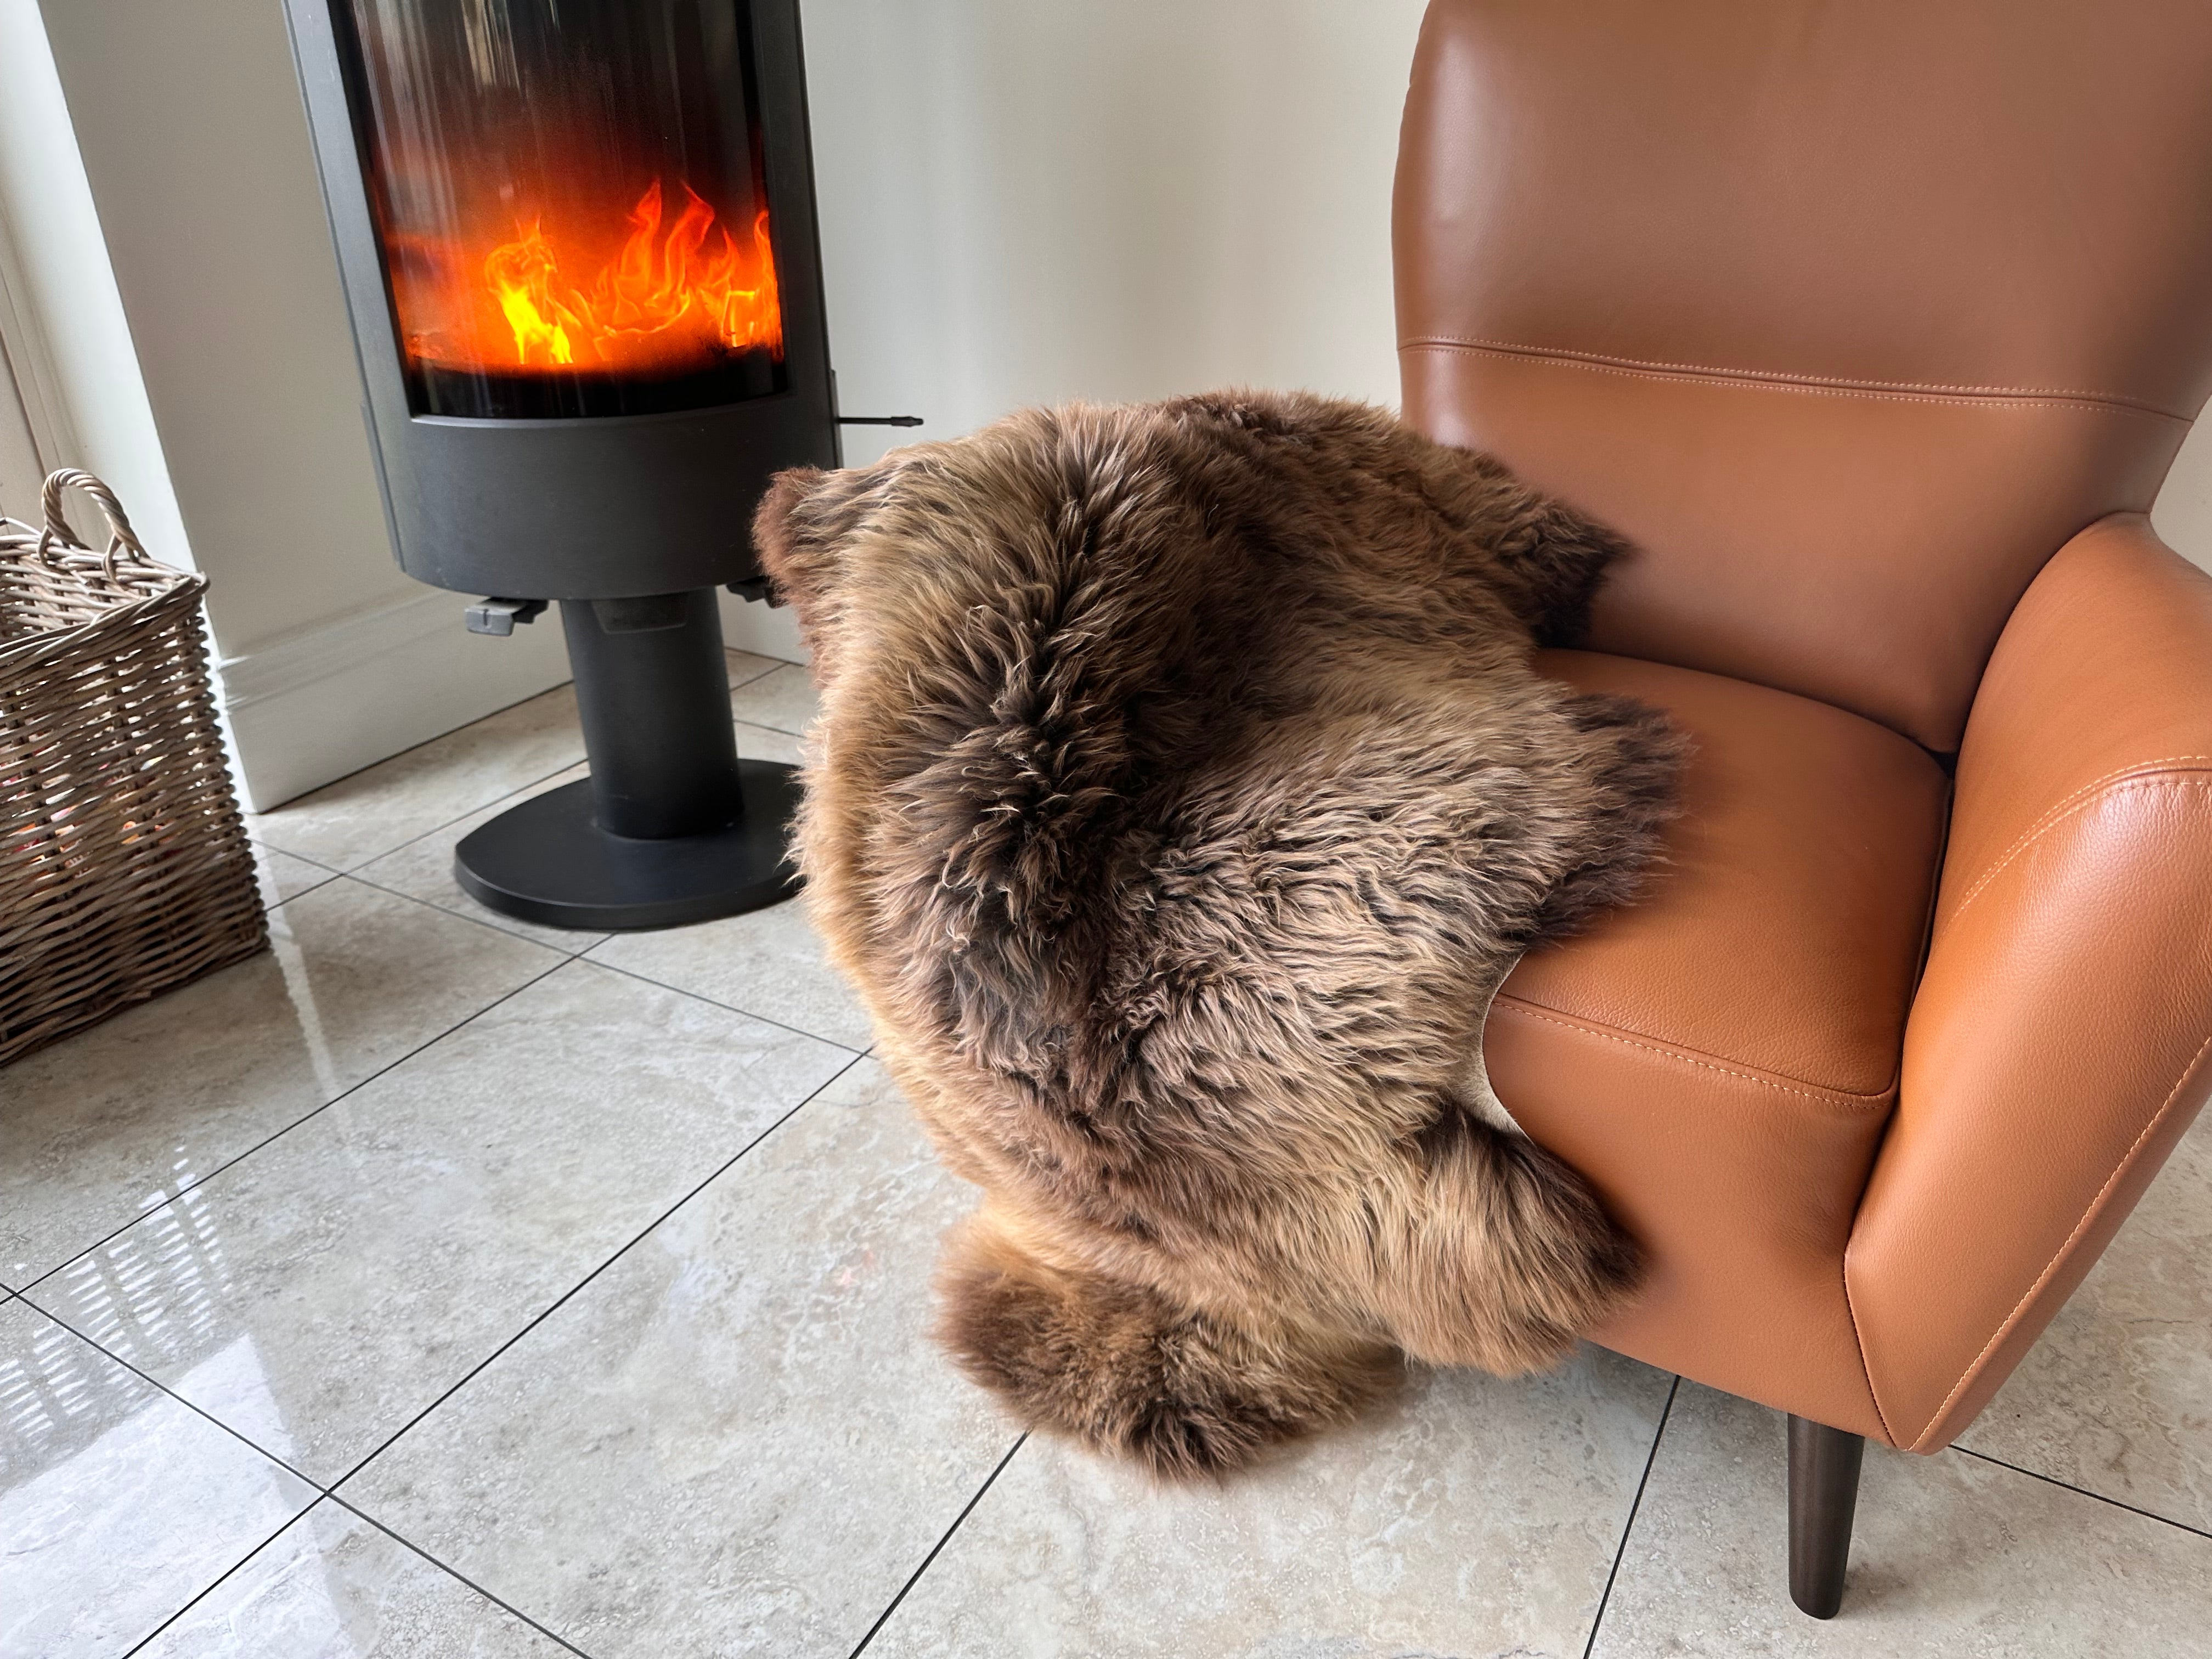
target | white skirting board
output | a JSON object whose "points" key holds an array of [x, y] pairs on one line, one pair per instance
{"points": [[313, 706], [318, 704]]}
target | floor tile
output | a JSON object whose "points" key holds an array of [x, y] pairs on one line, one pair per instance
{"points": [[375, 1254], [423, 870], [782, 698], [284, 877], [769, 963], [1954, 1558], [117, 1504], [764, 743], [106, 1124], [745, 665], [346, 823], [737, 1439], [330, 1586], [2116, 1396], [1471, 1516]]}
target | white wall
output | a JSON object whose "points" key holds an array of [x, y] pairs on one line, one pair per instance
{"points": [[1021, 201], [1026, 202], [2182, 514]]}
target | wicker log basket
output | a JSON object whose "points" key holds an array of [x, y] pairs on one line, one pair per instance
{"points": [[123, 865]]}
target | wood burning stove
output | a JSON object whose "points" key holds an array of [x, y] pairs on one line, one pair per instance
{"points": [[578, 243]]}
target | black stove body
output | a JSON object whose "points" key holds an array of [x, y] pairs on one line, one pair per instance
{"points": [[578, 243]]}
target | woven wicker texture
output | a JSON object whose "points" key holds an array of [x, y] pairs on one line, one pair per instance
{"points": [[123, 865]]}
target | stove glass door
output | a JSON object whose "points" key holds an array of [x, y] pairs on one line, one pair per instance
{"points": [[570, 199]]}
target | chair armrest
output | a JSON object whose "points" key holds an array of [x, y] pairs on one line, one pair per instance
{"points": [[2058, 1045]]}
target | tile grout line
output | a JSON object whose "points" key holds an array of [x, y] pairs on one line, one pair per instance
{"points": [[217, 1581], [330, 1490], [109, 1237], [773, 663], [367, 1520], [711, 1002], [581, 954], [271, 847], [355, 877], [567, 955], [2084, 1492], [443, 824], [162, 1387], [967, 1509], [559, 1302], [409, 1544], [329, 874], [1635, 1503], [599, 936]]}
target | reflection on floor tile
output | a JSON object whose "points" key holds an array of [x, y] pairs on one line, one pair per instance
{"points": [[284, 877], [736, 1440], [346, 823], [2116, 1396], [1474, 1515], [330, 1586], [117, 1504], [105, 1125], [782, 698], [375, 1253], [1951, 1556], [769, 962]]}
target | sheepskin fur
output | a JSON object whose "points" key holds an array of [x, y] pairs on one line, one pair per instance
{"points": [[1181, 792]]}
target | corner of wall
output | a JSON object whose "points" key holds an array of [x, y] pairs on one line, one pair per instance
{"points": [[2182, 515]]}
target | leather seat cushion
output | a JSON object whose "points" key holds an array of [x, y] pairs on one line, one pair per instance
{"points": [[1719, 1058]]}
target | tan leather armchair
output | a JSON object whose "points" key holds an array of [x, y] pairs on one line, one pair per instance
{"points": [[1876, 326]]}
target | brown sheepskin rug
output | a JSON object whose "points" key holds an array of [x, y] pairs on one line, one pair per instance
{"points": [[1180, 794]]}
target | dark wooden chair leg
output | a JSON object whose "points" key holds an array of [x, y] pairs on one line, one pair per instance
{"points": [[1823, 1491]]}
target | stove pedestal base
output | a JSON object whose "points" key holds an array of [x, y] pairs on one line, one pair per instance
{"points": [[671, 827], [548, 861]]}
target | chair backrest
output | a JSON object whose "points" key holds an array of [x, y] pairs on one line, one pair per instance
{"points": [[1850, 312]]}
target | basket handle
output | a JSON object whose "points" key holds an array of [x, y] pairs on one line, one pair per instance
{"points": [[121, 538]]}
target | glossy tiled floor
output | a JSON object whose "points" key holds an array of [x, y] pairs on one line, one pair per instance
{"points": [[439, 1285]]}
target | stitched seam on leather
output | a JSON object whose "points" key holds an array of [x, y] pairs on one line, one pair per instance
{"points": [[1689, 1057], [2088, 1215], [1784, 378], [1765, 374], [1851, 1308], [2145, 775]]}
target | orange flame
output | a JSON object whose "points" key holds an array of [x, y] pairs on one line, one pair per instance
{"points": [[663, 303]]}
